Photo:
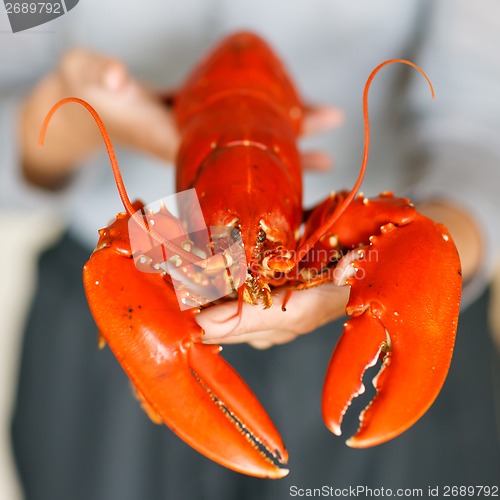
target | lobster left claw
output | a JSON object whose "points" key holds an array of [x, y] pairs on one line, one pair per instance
{"points": [[180, 381], [403, 308]]}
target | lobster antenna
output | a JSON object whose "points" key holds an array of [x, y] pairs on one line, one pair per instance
{"points": [[122, 191], [340, 209]]}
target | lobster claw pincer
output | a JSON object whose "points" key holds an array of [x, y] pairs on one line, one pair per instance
{"points": [[180, 381], [403, 308]]}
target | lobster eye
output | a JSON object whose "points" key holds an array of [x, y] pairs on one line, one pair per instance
{"points": [[261, 236]]}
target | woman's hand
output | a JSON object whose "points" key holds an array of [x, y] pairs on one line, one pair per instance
{"points": [[262, 328], [133, 115]]}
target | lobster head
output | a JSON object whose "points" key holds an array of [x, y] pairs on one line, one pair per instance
{"points": [[268, 224]]}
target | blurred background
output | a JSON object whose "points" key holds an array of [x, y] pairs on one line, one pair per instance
{"points": [[447, 149]]}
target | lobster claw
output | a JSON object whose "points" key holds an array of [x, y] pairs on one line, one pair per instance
{"points": [[414, 338], [181, 382]]}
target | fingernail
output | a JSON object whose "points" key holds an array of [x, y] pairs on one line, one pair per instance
{"points": [[333, 116], [201, 320], [114, 78], [207, 325], [206, 341], [217, 324]]}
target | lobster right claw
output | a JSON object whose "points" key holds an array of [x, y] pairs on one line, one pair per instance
{"points": [[403, 308]]}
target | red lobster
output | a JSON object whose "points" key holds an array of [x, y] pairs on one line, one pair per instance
{"points": [[239, 116]]}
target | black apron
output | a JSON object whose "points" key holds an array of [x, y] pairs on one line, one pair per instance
{"points": [[79, 433]]}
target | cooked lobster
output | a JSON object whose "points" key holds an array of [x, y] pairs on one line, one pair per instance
{"points": [[239, 116]]}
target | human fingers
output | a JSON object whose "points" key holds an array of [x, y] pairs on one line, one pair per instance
{"points": [[81, 68], [321, 118], [316, 161], [134, 115], [306, 310]]}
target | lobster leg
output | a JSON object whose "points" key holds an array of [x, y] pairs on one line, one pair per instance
{"points": [[403, 308], [184, 383]]}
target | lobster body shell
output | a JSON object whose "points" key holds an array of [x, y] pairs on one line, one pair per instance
{"points": [[239, 129], [239, 117]]}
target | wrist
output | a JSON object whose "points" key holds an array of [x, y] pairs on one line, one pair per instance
{"points": [[463, 230], [67, 142]]}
